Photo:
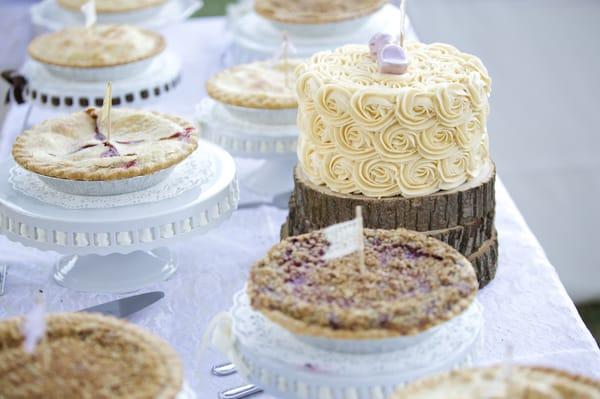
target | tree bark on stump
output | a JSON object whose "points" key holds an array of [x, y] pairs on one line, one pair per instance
{"points": [[462, 218]]}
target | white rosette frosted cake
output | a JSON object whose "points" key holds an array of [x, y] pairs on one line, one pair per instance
{"points": [[412, 148]]}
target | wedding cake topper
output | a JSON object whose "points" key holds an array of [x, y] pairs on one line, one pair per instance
{"points": [[388, 52], [105, 121], [89, 12]]}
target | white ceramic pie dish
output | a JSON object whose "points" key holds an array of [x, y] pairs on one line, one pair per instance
{"points": [[106, 187], [339, 28], [285, 116], [383, 345], [100, 74]]}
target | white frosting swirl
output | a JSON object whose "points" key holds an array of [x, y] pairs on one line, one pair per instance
{"points": [[380, 135]]}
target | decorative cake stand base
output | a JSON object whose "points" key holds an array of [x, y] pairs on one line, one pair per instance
{"points": [[463, 217], [114, 248], [96, 273], [276, 144], [272, 358], [48, 90]]}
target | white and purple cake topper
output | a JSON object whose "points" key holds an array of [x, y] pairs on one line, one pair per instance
{"points": [[390, 56]]}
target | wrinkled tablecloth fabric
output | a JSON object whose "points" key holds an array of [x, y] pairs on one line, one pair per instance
{"points": [[526, 306]]}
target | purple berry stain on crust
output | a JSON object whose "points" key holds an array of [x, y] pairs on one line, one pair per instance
{"points": [[83, 147], [130, 164], [130, 141], [111, 151], [185, 135], [99, 136]]}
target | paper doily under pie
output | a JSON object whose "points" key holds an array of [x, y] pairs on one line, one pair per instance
{"points": [[269, 356], [197, 169]]}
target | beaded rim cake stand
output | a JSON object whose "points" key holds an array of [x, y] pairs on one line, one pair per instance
{"points": [[255, 38], [49, 15], [48, 90], [275, 144], [269, 356], [119, 249]]}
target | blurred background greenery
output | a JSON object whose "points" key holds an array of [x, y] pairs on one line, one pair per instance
{"points": [[212, 8]]}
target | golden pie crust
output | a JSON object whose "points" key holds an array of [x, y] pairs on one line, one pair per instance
{"points": [[75, 146], [315, 11], [86, 355], [259, 84], [524, 382], [96, 47], [411, 283], [113, 6]]}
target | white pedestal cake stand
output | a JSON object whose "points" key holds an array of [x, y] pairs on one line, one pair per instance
{"points": [[276, 144], [119, 249], [48, 90], [272, 358], [49, 15], [256, 38]]}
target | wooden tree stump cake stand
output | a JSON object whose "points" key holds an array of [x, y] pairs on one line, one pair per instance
{"points": [[463, 217]]}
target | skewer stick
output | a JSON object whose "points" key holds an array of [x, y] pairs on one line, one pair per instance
{"points": [[361, 239], [107, 109], [402, 21]]}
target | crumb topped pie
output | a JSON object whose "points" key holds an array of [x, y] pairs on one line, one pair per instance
{"points": [[315, 11], [88, 356], [410, 284], [113, 6], [520, 382], [260, 84], [76, 146], [96, 47]]}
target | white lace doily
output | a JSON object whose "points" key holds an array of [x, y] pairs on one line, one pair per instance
{"points": [[269, 344], [197, 169]]}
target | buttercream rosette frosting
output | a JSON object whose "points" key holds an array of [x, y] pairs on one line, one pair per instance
{"points": [[380, 135]]}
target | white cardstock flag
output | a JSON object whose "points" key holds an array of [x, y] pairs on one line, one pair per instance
{"points": [[89, 12], [344, 238], [106, 110], [34, 327]]}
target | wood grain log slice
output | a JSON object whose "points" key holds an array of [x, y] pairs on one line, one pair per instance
{"points": [[316, 207], [485, 260]]}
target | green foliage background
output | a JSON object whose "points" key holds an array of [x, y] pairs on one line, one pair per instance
{"points": [[213, 7]]}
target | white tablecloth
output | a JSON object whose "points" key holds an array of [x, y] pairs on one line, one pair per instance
{"points": [[526, 306]]}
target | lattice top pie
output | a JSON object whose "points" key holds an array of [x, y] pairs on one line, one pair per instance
{"points": [[315, 11], [113, 6], [88, 356], [261, 84], [76, 147], [411, 283], [97, 46], [518, 382]]}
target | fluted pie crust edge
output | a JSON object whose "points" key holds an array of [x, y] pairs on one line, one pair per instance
{"points": [[27, 161], [301, 327], [170, 370], [426, 384], [114, 10], [159, 47], [273, 10]]}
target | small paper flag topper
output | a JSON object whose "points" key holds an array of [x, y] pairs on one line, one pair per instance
{"points": [[89, 12], [34, 326], [105, 121], [346, 238]]}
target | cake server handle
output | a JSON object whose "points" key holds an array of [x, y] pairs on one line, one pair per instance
{"points": [[240, 392]]}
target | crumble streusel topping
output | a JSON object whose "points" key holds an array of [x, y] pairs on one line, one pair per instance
{"points": [[410, 283]]}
